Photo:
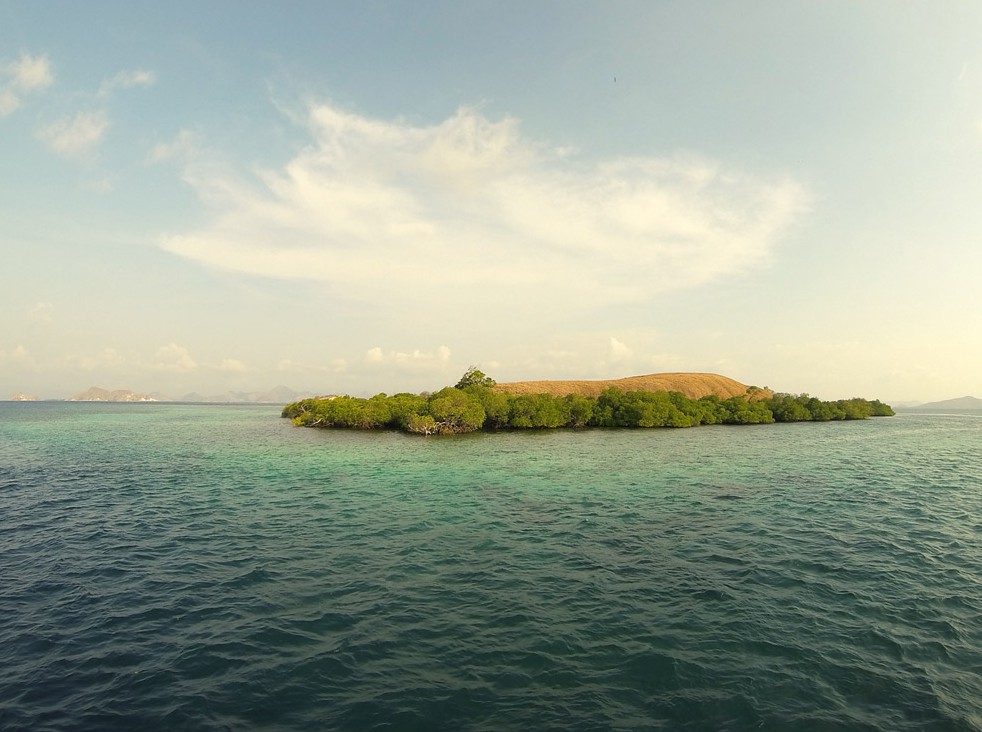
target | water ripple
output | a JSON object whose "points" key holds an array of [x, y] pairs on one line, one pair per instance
{"points": [[219, 570]]}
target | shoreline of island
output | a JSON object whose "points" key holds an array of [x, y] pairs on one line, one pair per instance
{"points": [[477, 402]]}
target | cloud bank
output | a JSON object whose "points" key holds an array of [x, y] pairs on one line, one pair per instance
{"points": [[442, 213]]}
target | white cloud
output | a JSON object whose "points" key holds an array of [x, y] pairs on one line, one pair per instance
{"points": [[8, 102], [75, 135], [618, 351], [183, 147], [26, 74], [430, 216], [126, 80], [31, 72], [173, 357]]}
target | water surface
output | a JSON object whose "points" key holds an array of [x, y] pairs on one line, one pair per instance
{"points": [[212, 567]]}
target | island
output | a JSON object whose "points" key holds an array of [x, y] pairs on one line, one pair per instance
{"points": [[98, 394], [477, 402]]}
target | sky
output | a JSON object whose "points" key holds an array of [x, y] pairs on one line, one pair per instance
{"points": [[374, 196]]}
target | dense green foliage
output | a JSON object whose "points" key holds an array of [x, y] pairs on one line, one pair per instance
{"points": [[473, 405]]}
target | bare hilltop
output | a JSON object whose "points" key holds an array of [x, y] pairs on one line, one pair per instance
{"points": [[692, 385]]}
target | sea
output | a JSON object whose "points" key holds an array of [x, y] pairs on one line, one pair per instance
{"points": [[212, 567]]}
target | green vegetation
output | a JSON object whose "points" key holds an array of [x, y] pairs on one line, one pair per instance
{"points": [[473, 405], [473, 377]]}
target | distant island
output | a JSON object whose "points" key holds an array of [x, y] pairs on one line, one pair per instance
{"points": [[97, 394], [477, 402], [959, 404]]}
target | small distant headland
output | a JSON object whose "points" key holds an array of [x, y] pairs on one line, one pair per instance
{"points": [[477, 402]]}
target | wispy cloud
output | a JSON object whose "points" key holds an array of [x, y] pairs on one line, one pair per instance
{"points": [[75, 135], [431, 216], [9, 101], [126, 80], [27, 74], [182, 147]]}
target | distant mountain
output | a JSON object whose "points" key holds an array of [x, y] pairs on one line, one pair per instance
{"points": [[965, 402], [98, 394], [19, 397]]}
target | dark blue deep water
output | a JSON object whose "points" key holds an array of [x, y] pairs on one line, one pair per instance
{"points": [[210, 567]]}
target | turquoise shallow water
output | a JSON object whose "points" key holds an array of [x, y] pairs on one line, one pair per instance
{"points": [[211, 567]]}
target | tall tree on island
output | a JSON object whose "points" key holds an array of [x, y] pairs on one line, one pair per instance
{"points": [[474, 377]]}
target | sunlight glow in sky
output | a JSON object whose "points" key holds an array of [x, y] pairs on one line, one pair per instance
{"points": [[372, 197]]}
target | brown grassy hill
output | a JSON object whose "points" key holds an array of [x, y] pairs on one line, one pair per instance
{"points": [[693, 386]]}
